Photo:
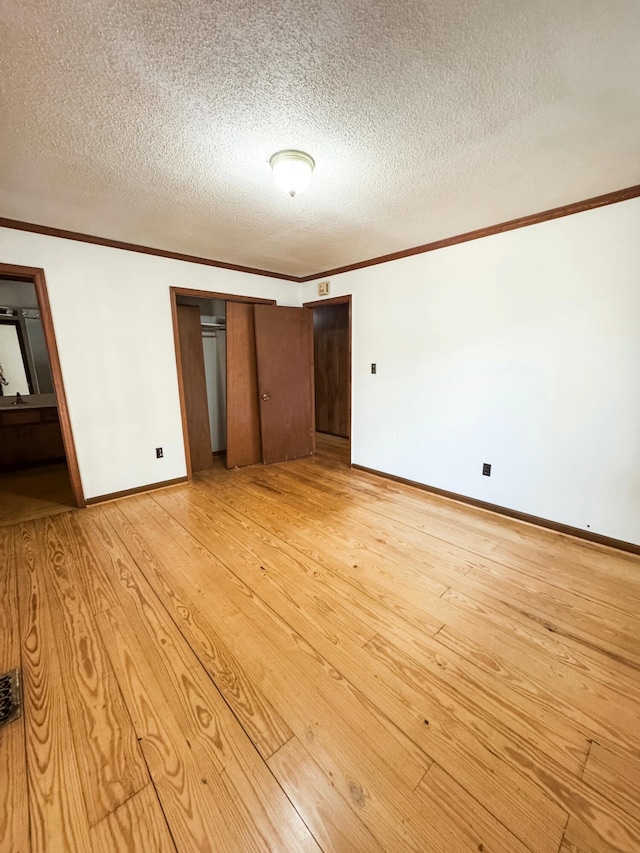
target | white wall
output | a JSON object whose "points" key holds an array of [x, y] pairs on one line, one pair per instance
{"points": [[112, 317], [522, 350]]}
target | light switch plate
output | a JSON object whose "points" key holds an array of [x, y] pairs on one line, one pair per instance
{"points": [[323, 288]]}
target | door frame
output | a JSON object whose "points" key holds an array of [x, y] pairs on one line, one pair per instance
{"points": [[338, 300], [174, 293], [36, 276]]}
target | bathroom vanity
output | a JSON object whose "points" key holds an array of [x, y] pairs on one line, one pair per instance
{"points": [[29, 435]]}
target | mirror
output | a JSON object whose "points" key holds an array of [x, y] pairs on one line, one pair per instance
{"points": [[24, 355], [13, 363]]}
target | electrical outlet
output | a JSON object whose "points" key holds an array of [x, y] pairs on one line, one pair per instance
{"points": [[159, 453], [486, 469], [374, 368]]}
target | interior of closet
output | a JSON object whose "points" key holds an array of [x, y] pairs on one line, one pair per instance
{"points": [[209, 328]]}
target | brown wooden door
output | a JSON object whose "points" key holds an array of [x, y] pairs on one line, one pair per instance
{"points": [[243, 411], [195, 387], [332, 368], [284, 350]]}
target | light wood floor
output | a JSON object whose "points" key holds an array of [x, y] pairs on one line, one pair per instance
{"points": [[303, 657], [34, 493]]}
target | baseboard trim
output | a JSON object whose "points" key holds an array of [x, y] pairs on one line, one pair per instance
{"points": [[556, 526], [100, 499]]}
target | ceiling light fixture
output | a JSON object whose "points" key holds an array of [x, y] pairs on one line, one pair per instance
{"points": [[292, 171]]}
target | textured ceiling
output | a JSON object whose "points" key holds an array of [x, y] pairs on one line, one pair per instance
{"points": [[152, 122]]}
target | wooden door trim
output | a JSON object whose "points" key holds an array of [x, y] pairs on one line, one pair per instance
{"points": [[36, 276], [174, 293], [312, 359], [334, 300], [226, 297], [181, 395], [338, 300]]}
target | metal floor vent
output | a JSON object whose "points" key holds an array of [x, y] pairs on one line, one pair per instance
{"points": [[10, 704]]}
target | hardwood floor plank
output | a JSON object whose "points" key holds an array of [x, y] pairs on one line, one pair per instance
{"points": [[110, 763], [380, 578], [612, 631], [553, 725], [58, 819], [33, 493], [552, 733], [10, 634], [263, 724], [485, 758], [597, 570], [532, 766], [466, 824], [580, 838], [590, 603], [399, 536], [96, 565], [387, 806], [514, 801], [215, 790], [568, 791], [306, 655], [138, 824], [600, 712], [406, 549], [286, 625], [185, 775], [606, 628], [510, 708], [570, 652], [14, 793], [323, 566], [615, 776], [333, 821]]}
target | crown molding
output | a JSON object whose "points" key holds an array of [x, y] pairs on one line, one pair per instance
{"points": [[510, 225], [49, 231], [501, 227]]}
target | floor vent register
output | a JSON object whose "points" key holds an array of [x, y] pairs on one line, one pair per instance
{"points": [[10, 704]]}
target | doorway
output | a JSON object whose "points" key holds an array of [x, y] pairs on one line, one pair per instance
{"points": [[202, 340], [332, 372], [39, 472]]}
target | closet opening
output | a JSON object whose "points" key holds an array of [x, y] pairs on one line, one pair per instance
{"points": [[202, 325], [245, 378], [217, 378]]}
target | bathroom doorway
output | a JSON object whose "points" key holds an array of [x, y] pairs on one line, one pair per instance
{"points": [[38, 467]]}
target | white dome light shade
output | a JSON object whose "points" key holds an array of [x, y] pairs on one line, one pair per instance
{"points": [[292, 171]]}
